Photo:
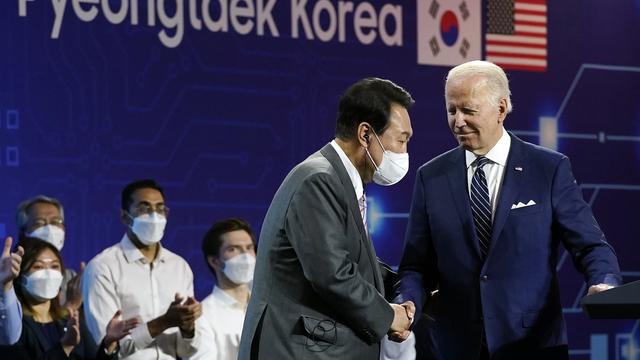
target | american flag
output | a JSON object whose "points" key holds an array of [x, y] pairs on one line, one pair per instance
{"points": [[516, 36]]}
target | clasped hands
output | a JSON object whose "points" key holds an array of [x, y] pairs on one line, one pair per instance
{"points": [[402, 319], [182, 313]]}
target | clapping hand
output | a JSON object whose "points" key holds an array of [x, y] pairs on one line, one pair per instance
{"points": [[192, 310], [74, 292], [183, 315], [71, 337], [117, 329]]}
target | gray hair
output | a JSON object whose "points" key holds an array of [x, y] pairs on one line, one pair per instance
{"points": [[495, 79], [21, 214]]}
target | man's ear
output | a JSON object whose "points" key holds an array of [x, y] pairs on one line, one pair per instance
{"points": [[502, 110], [124, 218], [364, 134], [214, 262]]}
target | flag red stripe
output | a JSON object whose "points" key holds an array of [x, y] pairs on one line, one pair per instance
{"points": [[531, 23], [519, 56], [537, 2], [530, 12], [522, 67], [523, 33]]}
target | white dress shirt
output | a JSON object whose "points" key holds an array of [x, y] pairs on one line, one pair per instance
{"points": [[220, 327], [493, 170], [120, 277], [353, 173], [391, 350]]}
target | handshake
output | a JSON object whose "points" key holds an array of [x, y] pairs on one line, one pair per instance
{"points": [[402, 319]]}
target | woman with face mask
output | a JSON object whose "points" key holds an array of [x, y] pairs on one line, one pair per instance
{"points": [[48, 330]]}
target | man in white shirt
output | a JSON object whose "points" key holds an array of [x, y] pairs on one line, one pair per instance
{"points": [[143, 279], [229, 250]]}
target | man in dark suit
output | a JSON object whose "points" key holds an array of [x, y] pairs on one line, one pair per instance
{"points": [[318, 289], [485, 226]]}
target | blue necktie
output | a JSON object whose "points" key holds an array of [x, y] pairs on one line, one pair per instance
{"points": [[481, 205]]}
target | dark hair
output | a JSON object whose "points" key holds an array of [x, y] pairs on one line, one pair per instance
{"points": [[212, 241], [127, 192], [369, 100], [32, 249]]}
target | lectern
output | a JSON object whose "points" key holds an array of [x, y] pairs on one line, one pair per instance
{"points": [[622, 302]]}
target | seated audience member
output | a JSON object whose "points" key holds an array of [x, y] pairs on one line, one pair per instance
{"points": [[229, 250], [145, 280], [48, 330], [42, 218]]}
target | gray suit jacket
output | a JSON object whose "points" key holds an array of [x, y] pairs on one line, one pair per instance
{"points": [[317, 286]]}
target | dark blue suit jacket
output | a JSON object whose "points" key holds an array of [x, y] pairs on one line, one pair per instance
{"points": [[513, 293]]}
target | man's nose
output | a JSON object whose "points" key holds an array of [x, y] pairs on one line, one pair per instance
{"points": [[458, 119]]}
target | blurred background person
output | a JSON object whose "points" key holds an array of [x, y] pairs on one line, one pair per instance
{"points": [[42, 218], [229, 250], [48, 330], [145, 280]]}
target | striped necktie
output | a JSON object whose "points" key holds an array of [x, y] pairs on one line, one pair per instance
{"points": [[481, 205], [362, 203]]}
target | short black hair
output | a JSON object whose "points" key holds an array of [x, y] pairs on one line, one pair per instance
{"points": [[127, 192], [212, 241], [369, 100]]}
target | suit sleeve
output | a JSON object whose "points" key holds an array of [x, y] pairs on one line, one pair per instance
{"points": [[579, 231], [418, 267], [314, 223]]}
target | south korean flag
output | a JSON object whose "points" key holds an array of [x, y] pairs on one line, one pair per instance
{"points": [[449, 31]]}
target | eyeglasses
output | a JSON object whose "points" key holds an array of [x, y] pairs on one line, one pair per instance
{"points": [[38, 223], [144, 208]]}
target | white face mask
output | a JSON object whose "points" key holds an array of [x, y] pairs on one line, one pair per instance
{"points": [[44, 284], [52, 234], [239, 269], [149, 228], [392, 168]]}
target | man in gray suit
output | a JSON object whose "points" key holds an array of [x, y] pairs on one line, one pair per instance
{"points": [[318, 287]]}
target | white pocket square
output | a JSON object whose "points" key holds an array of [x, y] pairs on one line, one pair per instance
{"points": [[521, 204]]}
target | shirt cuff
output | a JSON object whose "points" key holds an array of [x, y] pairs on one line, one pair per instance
{"points": [[141, 336], [187, 347]]}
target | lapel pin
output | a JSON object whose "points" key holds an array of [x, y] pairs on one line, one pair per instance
{"points": [[518, 168]]}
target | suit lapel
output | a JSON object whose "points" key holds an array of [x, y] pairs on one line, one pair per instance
{"points": [[457, 177], [513, 174], [352, 203]]}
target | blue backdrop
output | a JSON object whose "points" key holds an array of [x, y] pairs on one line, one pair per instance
{"points": [[94, 95]]}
